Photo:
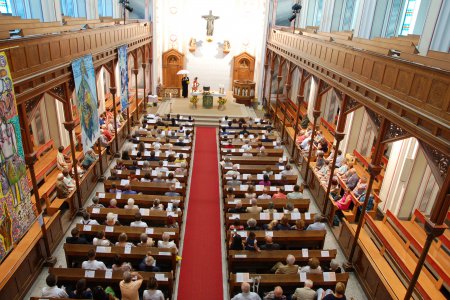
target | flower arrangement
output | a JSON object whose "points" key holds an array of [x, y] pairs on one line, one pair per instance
{"points": [[194, 100], [222, 101]]}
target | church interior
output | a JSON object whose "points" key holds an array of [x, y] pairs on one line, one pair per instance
{"points": [[210, 149]]}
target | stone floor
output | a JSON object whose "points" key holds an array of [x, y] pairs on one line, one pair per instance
{"points": [[354, 290]]}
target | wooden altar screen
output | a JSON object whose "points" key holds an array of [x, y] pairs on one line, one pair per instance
{"points": [[173, 62]]}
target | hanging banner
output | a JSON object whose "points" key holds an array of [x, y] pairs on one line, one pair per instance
{"points": [[86, 98], [16, 210], [123, 71]]}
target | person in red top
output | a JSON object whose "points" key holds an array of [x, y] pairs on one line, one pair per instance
{"points": [[229, 145], [279, 194], [106, 133]]}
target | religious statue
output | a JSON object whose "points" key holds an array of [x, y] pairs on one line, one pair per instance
{"points": [[226, 46], [195, 85], [210, 23], [192, 45]]}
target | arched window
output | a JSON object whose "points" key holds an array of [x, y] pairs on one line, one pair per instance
{"points": [[105, 8]]}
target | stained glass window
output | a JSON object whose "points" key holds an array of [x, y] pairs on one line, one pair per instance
{"points": [[5, 7]]}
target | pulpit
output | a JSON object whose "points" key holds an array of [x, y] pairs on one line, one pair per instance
{"points": [[244, 91]]}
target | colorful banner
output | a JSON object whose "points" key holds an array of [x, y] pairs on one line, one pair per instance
{"points": [[123, 71], [86, 96], [16, 210]]}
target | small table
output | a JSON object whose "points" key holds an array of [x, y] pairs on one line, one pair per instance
{"points": [[208, 98]]}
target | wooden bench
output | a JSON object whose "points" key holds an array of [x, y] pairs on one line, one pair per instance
{"points": [[392, 249], [240, 190], [133, 233], [141, 174], [237, 152], [255, 169], [301, 204], [418, 221], [126, 216], [267, 145], [291, 239], [289, 282], [72, 275], [76, 254], [266, 218], [276, 179], [146, 187], [140, 200], [437, 261], [251, 261], [255, 160]]}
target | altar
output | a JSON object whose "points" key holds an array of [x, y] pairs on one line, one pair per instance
{"points": [[208, 97]]}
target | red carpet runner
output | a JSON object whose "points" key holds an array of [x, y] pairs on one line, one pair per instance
{"points": [[201, 267]]}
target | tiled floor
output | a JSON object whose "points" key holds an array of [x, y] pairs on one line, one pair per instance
{"points": [[354, 289]]}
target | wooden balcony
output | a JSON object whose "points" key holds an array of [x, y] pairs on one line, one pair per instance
{"points": [[412, 95], [42, 61]]}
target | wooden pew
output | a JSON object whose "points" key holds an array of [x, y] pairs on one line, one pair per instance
{"points": [[178, 149], [161, 155], [418, 221], [291, 239], [154, 164], [276, 179], [140, 174], [139, 200], [133, 233], [301, 204], [76, 254], [173, 140], [254, 160], [146, 187], [267, 145], [236, 152], [266, 218], [126, 216], [262, 262], [72, 275], [49, 30], [426, 285], [437, 261], [240, 190], [289, 282], [255, 169]]}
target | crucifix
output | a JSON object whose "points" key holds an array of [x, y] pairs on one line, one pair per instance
{"points": [[210, 23]]}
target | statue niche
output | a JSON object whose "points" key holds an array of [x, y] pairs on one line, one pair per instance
{"points": [[173, 62]]}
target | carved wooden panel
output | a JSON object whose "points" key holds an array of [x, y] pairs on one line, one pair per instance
{"points": [[173, 61], [243, 67], [38, 63], [413, 95]]}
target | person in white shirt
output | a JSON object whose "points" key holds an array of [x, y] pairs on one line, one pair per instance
{"points": [[246, 294], [87, 220], [171, 178], [339, 159], [247, 153], [287, 171], [246, 146], [157, 143], [265, 195], [130, 204], [52, 290], [313, 266], [233, 171], [166, 243], [100, 240], [160, 168], [138, 221], [147, 178], [92, 263]]}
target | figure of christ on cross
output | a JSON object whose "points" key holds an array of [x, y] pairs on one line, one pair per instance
{"points": [[210, 23]]}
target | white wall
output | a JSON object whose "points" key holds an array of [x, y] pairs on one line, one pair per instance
{"points": [[242, 22]]}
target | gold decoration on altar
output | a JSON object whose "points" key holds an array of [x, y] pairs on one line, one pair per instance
{"points": [[221, 102]]}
